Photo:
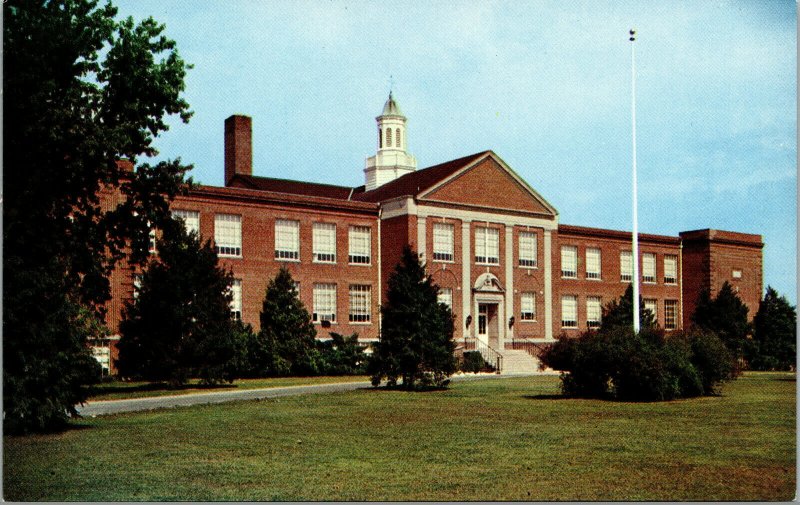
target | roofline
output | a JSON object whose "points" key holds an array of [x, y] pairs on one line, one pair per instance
{"points": [[586, 231], [723, 237], [263, 196]]}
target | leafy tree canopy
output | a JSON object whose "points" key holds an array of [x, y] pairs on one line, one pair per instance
{"points": [[81, 90], [774, 345], [619, 313], [180, 325], [416, 341]]}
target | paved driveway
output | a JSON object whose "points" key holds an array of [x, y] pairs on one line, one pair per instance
{"points": [[99, 408]]}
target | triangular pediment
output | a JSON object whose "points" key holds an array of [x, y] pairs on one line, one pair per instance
{"points": [[488, 182]]}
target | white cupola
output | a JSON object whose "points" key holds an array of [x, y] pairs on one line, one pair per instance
{"points": [[392, 160]]}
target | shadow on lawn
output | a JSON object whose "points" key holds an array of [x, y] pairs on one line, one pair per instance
{"points": [[158, 386], [548, 397]]}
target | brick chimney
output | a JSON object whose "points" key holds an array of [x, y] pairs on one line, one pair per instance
{"points": [[238, 146]]}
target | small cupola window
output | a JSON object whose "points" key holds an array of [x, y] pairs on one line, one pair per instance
{"points": [[397, 141], [388, 137]]}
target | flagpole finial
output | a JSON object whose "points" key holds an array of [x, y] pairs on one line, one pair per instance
{"points": [[633, 34]]}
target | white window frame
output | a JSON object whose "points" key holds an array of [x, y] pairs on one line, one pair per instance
{"points": [[670, 269], [487, 245], [528, 249], [594, 311], [626, 266], [228, 235], [359, 245], [594, 263], [324, 242], [443, 242], [445, 296], [527, 306], [191, 219], [651, 304], [236, 299], [670, 315], [569, 303], [360, 304], [324, 303], [649, 268], [287, 240], [569, 254]]}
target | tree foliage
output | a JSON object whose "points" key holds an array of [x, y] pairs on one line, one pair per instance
{"points": [[286, 344], [725, 315], [342, 355], [81, 90], [619, 313], [416, 343], [180, 325], [774, 344]]}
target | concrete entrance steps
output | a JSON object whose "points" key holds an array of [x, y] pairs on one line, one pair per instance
{"points": [[518, 362]]}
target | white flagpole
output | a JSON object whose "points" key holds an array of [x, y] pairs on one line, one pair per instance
{"points": [[635, 252]]}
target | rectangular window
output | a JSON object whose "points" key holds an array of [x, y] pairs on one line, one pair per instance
{"points": [[593, 311], [527, 307], [593, 263], [670, 269], [625, 266], [287, 239], [236, 301], [487, 246], [569, 262], [360, 303], [151, 245], [191, 219], [527, 249], [324, 303], [670, 314], [228, 234], [360, 244], [324, 242], [652, 305], [736, 274], [442, 242], [649, 267], [445, 296], [569, 311]]}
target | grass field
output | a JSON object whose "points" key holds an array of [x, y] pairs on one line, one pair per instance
{"points": [[119, 390], [494, 439]]}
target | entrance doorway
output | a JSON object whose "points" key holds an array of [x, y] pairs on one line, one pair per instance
{"points": [[488, 329]]}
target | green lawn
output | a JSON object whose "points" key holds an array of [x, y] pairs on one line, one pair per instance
{"points": [[119, 390], [494, 439]]}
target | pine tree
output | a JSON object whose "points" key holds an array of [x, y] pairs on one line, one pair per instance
{"points": [[775, 336], [180, 325], [416, 343], [619, 313], [286, 344], [726, 316]]}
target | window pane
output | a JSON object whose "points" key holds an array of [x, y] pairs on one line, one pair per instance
{"points": [[360, 303], [487, 245], [592, 263], [287, 239], [626, 265], [324, 303], [569, 311], [359, 238], [670, 269], [228, 234], [569, 261], [648, 267], [593, 311], [670, 314], [236, 301], [527, 249], [652, 305], [191, 219], [446, 297], [528, 307], [443, 242], [324, 239]]}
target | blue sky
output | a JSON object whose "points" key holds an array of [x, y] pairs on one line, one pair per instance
{"points": [[545, 85]]}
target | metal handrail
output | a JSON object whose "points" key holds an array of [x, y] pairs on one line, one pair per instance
{"points": [[489, 354], [524, 344]]}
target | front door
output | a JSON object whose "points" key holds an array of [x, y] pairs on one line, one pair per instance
{"points": [[488, 330]]}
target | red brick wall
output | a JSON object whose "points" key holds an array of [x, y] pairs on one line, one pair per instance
{"points": [[610, 286], [396, 232], [529, 279]]}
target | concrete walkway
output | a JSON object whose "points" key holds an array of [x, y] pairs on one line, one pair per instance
{"points": [[106, 407]]}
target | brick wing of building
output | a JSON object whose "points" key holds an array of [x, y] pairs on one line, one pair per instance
{"points": [[508, 269]]}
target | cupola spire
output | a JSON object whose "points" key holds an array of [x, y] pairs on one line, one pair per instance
{"points": [[392, 159]]}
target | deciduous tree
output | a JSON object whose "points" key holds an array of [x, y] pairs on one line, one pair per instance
{"points": [[81, 90]]}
